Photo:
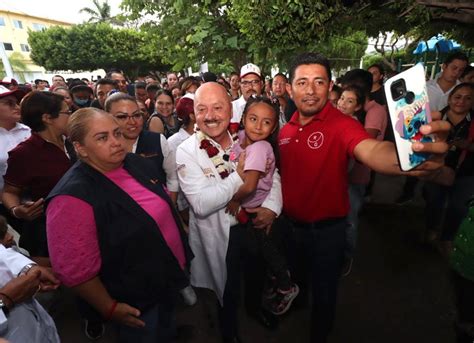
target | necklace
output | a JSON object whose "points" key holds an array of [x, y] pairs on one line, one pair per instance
{"points": [[213, 153]]}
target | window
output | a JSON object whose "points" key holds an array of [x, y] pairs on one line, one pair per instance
{"points": [[38, 27], [18, 24], [25, 47], [8, 46], [2, 21]]}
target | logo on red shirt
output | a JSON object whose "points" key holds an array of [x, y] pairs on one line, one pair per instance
{"points": [[315, 140]]}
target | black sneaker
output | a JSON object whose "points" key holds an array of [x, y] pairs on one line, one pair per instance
{"points": [[94, 329]]}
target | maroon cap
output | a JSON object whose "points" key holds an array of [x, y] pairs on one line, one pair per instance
{"points": [[185, 107]]}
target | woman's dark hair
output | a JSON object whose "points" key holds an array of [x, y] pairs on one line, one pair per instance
{"points": [[187, 82], [165, 92], [459, 86], [337, 89], [35, 104], [275, 105]]}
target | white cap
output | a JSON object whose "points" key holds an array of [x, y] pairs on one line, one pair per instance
{"points": [[4, 91], [250, 68]]}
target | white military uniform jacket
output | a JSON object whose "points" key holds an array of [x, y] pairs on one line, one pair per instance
{"points": [[209, 224], [28, 321]]}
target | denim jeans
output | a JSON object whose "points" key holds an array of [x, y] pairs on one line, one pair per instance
{"points": [[319, 248]]}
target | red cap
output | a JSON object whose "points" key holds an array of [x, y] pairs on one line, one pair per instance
{"points": [[185, 106]]}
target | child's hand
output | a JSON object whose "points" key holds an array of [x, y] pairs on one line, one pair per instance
{"points": [[233, 207]]}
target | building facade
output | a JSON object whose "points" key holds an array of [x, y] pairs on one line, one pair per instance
{"points": [[14, 27]]}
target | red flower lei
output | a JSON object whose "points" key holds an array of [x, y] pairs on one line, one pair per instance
{"points": [[213, 152]]}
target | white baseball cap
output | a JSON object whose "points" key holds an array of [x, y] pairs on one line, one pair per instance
{"points": [[18, 93], [250, 68]]}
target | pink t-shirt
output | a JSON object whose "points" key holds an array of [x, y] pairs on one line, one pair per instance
{"points": [[73, 234], [259, 156]]}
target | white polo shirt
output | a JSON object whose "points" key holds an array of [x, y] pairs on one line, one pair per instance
{"points": [[9, 139]]}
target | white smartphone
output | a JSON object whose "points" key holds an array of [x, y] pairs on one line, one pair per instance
{"points": [[409, 109]]}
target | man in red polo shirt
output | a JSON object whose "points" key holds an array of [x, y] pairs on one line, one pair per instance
{"points": [[315, 147]]}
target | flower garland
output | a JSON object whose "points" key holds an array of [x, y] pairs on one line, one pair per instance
{"points": [[213, 152]]}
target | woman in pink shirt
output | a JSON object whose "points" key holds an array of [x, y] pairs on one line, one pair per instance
{"points": [[113, 233]]}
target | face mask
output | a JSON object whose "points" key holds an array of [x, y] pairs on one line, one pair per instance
{"points": [[81, 102]]}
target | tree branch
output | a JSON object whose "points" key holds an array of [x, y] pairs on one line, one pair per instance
{"points": [[447, 5]]}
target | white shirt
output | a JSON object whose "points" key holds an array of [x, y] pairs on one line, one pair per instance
{"points": [[238, 109], [173, 142], [11, 264], [437, 97], [209, 224], [9, 139], [169, 165]]}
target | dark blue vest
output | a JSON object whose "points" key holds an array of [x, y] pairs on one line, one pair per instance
{"points": [[138, 267]]}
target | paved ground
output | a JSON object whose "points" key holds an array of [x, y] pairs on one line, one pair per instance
{"points": [[398, 290]]}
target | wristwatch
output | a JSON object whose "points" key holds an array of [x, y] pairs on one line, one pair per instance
{"points": [[26, 269], [3, 307]]}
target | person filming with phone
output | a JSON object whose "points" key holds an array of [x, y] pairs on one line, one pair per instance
{"points": [[315, 147]]}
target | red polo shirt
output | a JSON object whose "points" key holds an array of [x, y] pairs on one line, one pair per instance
{"points": [[314, 160], [35, 166]]}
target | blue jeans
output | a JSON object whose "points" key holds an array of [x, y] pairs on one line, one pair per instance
{"points": [[319, 248], [356, 198], [160, 327]]}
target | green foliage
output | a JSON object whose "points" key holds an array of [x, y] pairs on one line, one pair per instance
{"points": [[228, 34], [285, 23], [93, 46], [192, 32]]}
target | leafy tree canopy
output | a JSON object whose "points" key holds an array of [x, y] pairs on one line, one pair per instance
{"points": [[93, 46]]}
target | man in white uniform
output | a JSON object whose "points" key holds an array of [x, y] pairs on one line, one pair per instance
{"points": [[208, 181], [22, 318]]}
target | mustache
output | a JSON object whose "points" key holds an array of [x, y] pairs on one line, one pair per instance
{"points": [[210, 121]]}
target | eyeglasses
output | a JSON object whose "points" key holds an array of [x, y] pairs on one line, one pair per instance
{"points": [[125, 117], [248, 83], [68, 113], [9, 102]]}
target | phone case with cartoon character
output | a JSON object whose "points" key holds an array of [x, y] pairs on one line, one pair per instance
{"points": [[408, 105]]}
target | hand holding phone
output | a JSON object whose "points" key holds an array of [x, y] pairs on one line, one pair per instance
{"points": [[408, 105]]}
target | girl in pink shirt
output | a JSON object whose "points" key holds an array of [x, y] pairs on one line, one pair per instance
{"points": [[260, 121]]}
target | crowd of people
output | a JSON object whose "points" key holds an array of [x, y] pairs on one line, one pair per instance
{"points": [[133, 193]]}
